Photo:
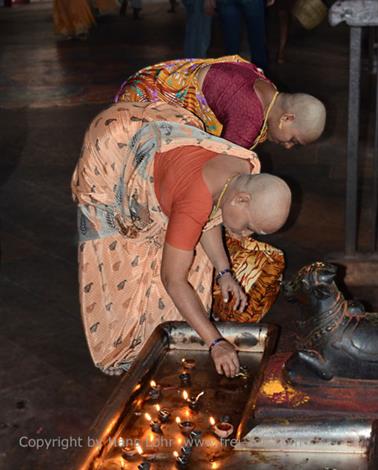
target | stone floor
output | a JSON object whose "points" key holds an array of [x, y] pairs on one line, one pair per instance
{"points": [[49, 92]]}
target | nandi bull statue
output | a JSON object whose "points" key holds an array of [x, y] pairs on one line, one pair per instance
{"points": [[336, 339]]}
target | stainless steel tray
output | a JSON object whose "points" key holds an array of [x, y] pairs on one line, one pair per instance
{"points": [[161, 360]]}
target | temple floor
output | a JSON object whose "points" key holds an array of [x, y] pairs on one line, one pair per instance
{"points": [[50, 90]]}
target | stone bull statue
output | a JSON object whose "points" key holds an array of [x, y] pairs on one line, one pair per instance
{"points": [[336, 337]]}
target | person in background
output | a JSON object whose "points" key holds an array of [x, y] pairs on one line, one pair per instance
{"points": [[72, 18], [136, 5], [197, 29], [232, 13], [152, 191]]}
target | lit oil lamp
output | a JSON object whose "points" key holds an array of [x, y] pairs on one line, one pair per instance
{"points": [[155, 425], [185, 379], [212, 423], [181, 460], [192, 401], [188, 363], [185, 426], [154, 392], [163, 414]]}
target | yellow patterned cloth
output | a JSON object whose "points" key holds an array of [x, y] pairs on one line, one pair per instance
{"points": [[175, 82], [258, 267]]}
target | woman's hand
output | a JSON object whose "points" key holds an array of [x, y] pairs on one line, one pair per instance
{"points": [[225, 359], [229, 285]]}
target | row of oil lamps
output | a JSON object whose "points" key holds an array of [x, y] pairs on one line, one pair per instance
{"points": [[222, 429]]}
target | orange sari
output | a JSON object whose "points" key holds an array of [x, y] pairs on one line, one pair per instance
{"points": [[72, 17]]}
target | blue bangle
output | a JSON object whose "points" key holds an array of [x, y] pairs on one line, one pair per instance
{"points": [[221, 274], [215, 342]]}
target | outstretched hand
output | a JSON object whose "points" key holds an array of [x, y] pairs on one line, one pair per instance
{"points": [[229, 286], [225, 359]]}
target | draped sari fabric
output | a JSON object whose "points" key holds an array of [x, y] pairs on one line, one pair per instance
{"points": [[72, 17], [122, 227]]}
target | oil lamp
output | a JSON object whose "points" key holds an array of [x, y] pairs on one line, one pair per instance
{"points": [[223, 429], [185, 426], [192, 401], [155, 425], [154, 392], [185, 379], [181, 460], [163, 414]]}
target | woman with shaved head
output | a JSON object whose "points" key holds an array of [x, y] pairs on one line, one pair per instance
{"points": [[152, 191], [233, 99]]}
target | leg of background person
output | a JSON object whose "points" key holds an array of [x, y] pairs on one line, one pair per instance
{"points": [[230, 18], [137, 8], [254, 16], [284, 18], [197, 29], [123, 8]]}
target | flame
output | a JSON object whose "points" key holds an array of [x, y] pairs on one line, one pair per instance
{"points": [[185, 395], [139, 448], [179, 441], [214, 465], [153, 384], [175, 454], [187, 413], [178, 419], [211, 421], [147, 416], [157, 406]]}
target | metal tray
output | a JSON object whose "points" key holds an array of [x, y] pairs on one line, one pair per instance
{"points": [[161, 360]]}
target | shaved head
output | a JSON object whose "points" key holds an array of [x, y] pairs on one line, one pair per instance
{"points": [[310, 113], [270, 200]]}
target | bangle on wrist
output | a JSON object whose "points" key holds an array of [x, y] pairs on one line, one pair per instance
{"points": [[219, 276], [215, 342]]}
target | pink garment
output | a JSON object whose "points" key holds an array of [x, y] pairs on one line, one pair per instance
{"points": [[229, 91]]}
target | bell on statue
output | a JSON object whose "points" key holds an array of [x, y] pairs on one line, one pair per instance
{"points": [[310, 13]]}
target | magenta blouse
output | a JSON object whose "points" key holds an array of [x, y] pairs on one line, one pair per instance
{"points": [[229, 91]]}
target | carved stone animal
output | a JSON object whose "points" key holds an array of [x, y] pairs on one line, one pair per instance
{"points": [[336, 337]]}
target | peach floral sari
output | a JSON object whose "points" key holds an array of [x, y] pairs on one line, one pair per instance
{"points": [[122, 227]]}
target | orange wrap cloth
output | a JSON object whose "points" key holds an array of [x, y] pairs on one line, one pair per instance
{"points": [[122, 227], [258, 267]]}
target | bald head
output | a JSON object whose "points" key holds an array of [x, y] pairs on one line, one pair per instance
{"points": [[270, 200], [309, 112]]}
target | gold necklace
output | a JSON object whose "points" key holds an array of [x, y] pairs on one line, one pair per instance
{"points": [[264, 129], [225, 187]]}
